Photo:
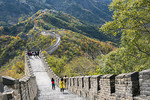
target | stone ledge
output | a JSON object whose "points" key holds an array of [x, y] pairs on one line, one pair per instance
{"points": [[87, 76], [108, 76], [8, 80], [77, 77], [3, 96], [1, 85], [144, 72], [1, 79], [127, 75], [96, 76]]}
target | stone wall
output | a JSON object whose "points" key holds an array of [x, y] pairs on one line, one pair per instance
{"points": [[2, 96], [128, 86], [49, 70], [1, 85], [54, 47], [23, 89], [144, 83]]}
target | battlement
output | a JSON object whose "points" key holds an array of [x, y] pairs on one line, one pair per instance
{"points": [[128, 86], [22, 89]]}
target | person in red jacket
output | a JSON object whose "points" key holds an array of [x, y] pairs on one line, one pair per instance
{"points": [[53, 84]]}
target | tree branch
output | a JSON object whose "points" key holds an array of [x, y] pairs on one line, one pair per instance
{"points": [[141, 49]]}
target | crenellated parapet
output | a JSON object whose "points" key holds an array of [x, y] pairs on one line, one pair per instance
{"points": [[1, 85], [107, 87], [22, 89], [127, 86], [2, 96], [144, 84]]}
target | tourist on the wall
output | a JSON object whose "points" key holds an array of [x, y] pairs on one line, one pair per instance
{"points": [[53, 84], [37, 53], [33, 53], [65, 79], [62, 85], [29, 54]]}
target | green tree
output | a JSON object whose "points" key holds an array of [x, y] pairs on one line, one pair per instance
{"points": [[131, 19]]}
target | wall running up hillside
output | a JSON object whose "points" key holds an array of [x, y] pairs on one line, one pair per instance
{"points": [[49, 70], [23, 89], [129, 86]]}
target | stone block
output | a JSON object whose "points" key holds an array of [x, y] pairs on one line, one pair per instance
{"points": [[78, 92], [3, 97], [127, 85], [77, 83], [147, 93], [145, 83], [8, 80], [145, 72], [107, 85], [94, 81], [87, 83], [81, 82], [1, 85]]}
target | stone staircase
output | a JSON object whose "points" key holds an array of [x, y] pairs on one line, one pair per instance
{"points": [[45, 91]]}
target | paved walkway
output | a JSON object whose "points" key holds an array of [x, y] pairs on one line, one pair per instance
{"points": [[45, 91]]}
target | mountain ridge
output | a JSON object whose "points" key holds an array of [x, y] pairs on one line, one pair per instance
{"points": [[57, 19], [92, 11]]}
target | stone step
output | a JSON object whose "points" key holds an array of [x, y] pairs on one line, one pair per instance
{"points": [[45, 91]]}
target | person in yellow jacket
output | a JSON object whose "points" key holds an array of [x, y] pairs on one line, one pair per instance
{"points": [[62, 85]]}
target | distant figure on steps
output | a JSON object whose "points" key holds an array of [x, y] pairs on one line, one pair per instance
{"points": [[33, 53], [37, 53], [29, 54], [62, 85], [53, 84]]}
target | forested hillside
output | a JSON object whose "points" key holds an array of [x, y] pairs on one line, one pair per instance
{"points": [[75, 46], [10, 46], [88, 10], [132, 19], [11, 54], [76, 54], [93, 11], [11, 10], [12, 51], [48, 19]]}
